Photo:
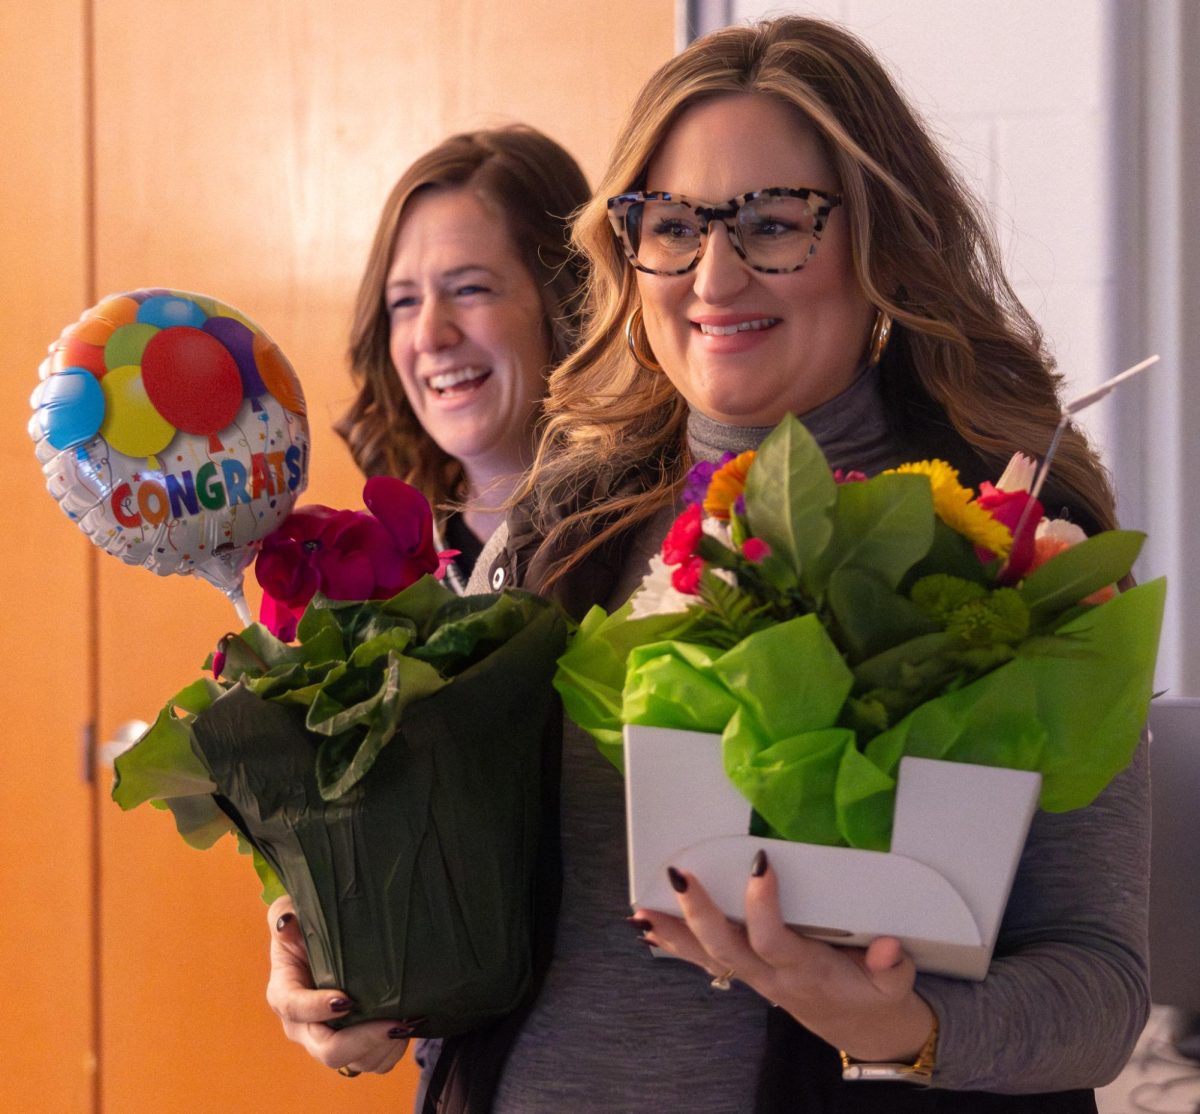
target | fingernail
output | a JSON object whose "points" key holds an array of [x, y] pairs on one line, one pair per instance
{"points": [[341, 1005], [640, 923], [284, 921], [677, 880], [405, 1028], [759, 867]]}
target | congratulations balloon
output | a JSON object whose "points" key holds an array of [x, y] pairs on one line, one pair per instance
{"points": [[172, 430]]}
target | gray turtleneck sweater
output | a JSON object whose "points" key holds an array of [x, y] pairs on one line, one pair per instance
{"points": [[616, 1030]]}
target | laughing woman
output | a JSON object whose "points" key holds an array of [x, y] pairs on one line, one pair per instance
{"points": [[469, 297]]}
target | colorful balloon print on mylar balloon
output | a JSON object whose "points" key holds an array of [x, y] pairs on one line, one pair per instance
{"points": [[172, 430]]}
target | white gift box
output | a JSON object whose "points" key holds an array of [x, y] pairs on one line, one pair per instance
{"points": [[941, 890]]}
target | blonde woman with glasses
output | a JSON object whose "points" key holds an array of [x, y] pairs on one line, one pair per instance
{"points": [[777, 233]]}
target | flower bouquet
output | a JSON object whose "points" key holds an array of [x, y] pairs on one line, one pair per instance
{"points": [[827, 626], [385, 769]]}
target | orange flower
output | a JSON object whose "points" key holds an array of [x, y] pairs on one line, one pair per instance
{"points": [[1051, 544], [728, 482]]}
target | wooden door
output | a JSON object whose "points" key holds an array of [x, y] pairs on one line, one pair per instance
{"points": [[243, 151], [46, 686]]}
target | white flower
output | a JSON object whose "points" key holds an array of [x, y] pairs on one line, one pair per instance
{"points": [[1019, 474], [656, 596], [1059, 530], [719, 529]]}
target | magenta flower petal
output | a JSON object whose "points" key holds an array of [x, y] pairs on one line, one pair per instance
{"points": [[280, 619], [286, 571], [346, 575], [1008, 507], [304, 524], [402, 509]]}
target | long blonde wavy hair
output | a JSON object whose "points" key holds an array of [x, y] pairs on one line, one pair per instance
{"points": [[532, 184], [965, 356]]}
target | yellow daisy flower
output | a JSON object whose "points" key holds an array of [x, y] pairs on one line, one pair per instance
{"points": [[727, 483], [955, 506]]}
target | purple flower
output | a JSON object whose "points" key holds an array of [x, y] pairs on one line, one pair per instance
{"points": [[695, 487]]}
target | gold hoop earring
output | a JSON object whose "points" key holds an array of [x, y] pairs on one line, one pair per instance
{"points": [[639, 343], [881, 333]]}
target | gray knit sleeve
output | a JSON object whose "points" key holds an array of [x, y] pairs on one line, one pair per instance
{"points": [[1068, 990]]}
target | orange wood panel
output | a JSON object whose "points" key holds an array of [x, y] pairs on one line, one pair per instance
{"points": [[45, 803], [243, 151]]}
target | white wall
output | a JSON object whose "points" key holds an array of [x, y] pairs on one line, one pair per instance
{"points": [[1071, 119]]}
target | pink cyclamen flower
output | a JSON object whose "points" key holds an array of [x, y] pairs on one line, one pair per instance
{"points": [[680, 543], [346, 555], [755, 549], [854, 476]]}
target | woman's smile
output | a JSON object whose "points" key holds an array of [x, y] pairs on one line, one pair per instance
{"points": [[456, 383]]}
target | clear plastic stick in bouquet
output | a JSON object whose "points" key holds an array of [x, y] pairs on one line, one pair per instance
{"points": [[1077, 404]]}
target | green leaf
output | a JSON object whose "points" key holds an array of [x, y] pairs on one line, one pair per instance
{"points": [[355, 696], [339, 766], [949, 553], [199, 820], [320, 636], [421, 603], [870, 615], [256, 651], [470, 627], [160, 764], [883, 526], [789, 494], [272, 887], [198, 696], [886, 668], [1077, 572]]}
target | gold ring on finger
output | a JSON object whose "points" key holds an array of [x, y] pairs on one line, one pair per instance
{"points": [[348, 1072], [721, 982]]}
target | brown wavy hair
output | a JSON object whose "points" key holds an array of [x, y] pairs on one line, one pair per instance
{"points": [[536, 186], [966, 362]]}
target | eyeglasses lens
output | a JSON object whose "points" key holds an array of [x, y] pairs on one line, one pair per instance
{"points": [[774, 233]]}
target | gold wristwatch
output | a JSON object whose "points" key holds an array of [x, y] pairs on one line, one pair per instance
{"points": [[920, 1071]]}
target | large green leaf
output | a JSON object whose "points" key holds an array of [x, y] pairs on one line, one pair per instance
{"points": [[882, 526], [160, 764], [789, 495], [1077, 572]]}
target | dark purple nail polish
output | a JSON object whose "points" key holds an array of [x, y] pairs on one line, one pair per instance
{"points": [[640, 924], [404, 1029], [677, 880], [284, 921], [759, 867], [341, 1005]]}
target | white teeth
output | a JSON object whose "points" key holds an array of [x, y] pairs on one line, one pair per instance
{"points": [[444, 380], [741, 327]]}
